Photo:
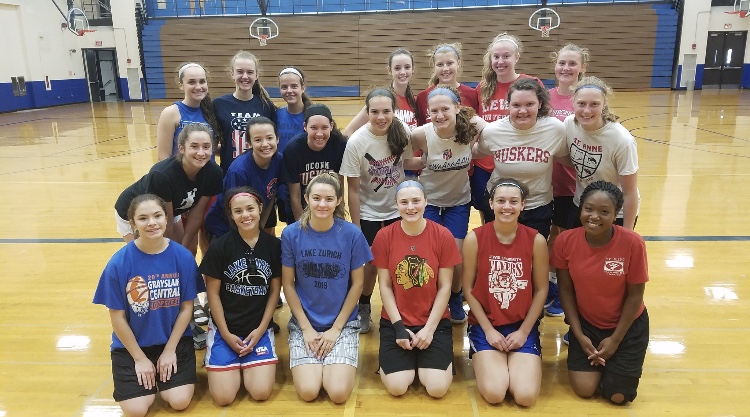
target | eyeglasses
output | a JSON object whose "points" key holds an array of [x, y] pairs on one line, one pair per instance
{"points": [[252, 266]]}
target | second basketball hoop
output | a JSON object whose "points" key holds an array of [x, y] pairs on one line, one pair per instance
{"points": [[544, 20]]}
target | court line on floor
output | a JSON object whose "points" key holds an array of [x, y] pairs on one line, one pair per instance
{"points": [[117, 239]]}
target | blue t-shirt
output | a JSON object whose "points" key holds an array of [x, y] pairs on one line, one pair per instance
{"points": [[244, 171], [232, 115], [323, 262], [188, 115], [289, 125], [150, 289]]}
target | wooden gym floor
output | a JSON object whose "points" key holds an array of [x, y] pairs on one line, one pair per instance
{"points": [[61, 170]]}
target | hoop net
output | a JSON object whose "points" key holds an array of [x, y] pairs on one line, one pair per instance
{"points": [[545, 31], [82, 32], [263, 39]]}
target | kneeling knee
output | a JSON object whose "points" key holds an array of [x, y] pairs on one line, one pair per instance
{"points": [[308, 394], [525, 400], [619, 389], [437, 390], [179, 404]]}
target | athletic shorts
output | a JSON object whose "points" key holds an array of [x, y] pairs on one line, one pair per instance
{"points": [[124, 228], [370, 228], [345, 350], [563, 207], [126, 380], [455, 219], [221, 357], [394, 358], [627, 360], [478, 339], [478, 182]]}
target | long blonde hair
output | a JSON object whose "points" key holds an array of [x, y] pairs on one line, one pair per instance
{"points": [[328, 179], [488, 85], [583, 52], [455, 49], [593, 82]]}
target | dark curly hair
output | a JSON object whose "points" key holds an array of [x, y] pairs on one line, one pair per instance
{"points": [[613, 191]]}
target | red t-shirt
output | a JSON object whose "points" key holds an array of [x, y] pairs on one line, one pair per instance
{"points": [[468, 99], [504, 283], [563, 177], [495, 109], [600, 275], [413, 263], [405, 112]]}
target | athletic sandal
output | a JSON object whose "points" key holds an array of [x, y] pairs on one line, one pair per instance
{"points": [[199, 314], [199, 336]]}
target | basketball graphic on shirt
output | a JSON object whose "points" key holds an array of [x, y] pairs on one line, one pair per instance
{"points": [[413, 271], [137, 293]]}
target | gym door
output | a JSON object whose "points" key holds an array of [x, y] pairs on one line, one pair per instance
{"points": [[101, 73], [725, 54]]}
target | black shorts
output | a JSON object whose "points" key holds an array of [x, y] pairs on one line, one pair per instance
{"points": [[627, 360], [126, 381], [284, 211], [439, 355], [370, 228], [564, 207], [271, 220]]}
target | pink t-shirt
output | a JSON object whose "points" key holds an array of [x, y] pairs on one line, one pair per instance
{"points": [[563, 177]]}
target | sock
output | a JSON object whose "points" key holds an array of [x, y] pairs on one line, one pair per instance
{"points": [[553, 277]]}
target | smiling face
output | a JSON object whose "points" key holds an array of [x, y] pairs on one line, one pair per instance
{"points": [[380, 115], [263, 140], [244, 74], [446, 67], [195, 84], [245, 211], [588, 105], [524, 107], [401, 69], [196, 151], [322, 200], [411, 203], [504, 57], [568, 68], [291, 88], [443, 111], [318, 130], [598, 212], [149, 220], [507, 203]]}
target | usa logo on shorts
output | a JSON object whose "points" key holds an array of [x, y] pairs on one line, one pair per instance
{"points": [[262, 350], [614, 266]]}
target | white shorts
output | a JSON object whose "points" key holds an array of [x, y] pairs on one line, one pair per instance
{"points": [[124, 228], [345, 350]]}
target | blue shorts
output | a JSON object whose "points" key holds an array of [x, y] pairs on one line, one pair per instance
{"points": [[478, 182], [221, 357], [478, 340], [455, 219]]}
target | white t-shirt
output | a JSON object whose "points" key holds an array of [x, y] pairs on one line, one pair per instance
{"points": [[367, 156], [446, 173], [525, 155], [604, 154]]}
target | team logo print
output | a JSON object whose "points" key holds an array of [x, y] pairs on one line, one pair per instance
{"points": [[413, 248], [272, 188], [614, 267], [413, 271], [137, 294], [585, 162], [262, 350], [504, 283], [447, 154]]}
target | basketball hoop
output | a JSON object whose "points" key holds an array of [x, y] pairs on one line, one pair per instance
{"points": [[78, 23], [82, 32], [263, 29], [544, 20], [739, 10]]}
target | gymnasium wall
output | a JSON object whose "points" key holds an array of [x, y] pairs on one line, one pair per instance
{"points": [[632, 45], [50, 58], [700, 18]]}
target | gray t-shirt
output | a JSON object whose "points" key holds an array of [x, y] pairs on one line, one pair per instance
{"points": [[446, 173]]}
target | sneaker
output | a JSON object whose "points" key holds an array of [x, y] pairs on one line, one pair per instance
{"points": [[554, 309], [199, 314], [364, 317], [551, 294], [565, 339], [279, 303], [456, 307], [199, 336]]}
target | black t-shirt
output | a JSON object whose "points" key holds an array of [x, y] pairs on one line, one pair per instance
{"points": [[168, 180], [301, 164], [244, 287]]}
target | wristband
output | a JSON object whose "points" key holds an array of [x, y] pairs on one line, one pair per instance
{"points": [[400, 329]]}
